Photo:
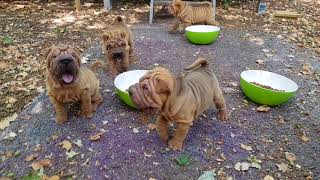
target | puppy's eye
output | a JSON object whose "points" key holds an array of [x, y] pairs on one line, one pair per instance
{"points": [[54, 56]]}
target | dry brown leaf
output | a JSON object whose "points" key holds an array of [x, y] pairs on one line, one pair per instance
{"points": [[306, 69], [3, 65], [6, 121], [40, 164], [268, 177], [152, 178], [31, 157], [263, 108], [66, 145], [246, 147], [304, 137], [259, 61], [96, 136], [283, 167], [290, 157]]}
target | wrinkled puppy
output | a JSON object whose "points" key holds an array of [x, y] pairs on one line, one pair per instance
{"points": [[69, 82], [117, 44], [179, 100], [188, 15]]}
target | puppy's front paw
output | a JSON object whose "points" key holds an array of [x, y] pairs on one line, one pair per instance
{"points": [[175, 145], [86, 115], [223, 115]]}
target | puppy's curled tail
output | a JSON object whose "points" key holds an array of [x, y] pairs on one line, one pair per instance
{"points": [[118, 20], [98, 64], [200, 62]]}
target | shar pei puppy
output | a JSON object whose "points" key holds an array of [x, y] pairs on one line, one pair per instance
{"points": [[188, 15], [69, 82], [117, 44], [179, 100]]}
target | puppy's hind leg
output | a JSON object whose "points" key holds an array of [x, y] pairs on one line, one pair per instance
{"points": [[96, 99], [220, 104], [174, 28]]}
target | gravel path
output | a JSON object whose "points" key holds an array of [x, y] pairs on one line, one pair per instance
{"points": [[122, 154]]}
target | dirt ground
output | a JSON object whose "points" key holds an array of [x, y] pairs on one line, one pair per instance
{"points": [[283, 141]]}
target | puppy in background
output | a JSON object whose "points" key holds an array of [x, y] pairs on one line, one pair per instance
{"points": [[188, 15], [179, 100], [69, 82], [117, 44]]}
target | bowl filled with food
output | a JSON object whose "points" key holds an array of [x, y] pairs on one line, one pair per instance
{"points": [[202, 34], [123, 81], [268, 88]]}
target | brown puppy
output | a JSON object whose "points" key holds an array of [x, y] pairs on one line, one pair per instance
{"points": [[117, 44], [189, 15], [179, 100], [69, 82]]}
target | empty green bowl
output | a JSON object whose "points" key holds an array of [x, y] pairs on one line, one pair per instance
{"points": [[202, 34], [282, 88], [124, 80]]}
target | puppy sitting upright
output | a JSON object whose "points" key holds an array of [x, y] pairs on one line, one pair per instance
{"points": [[179, 100], [69, 82], [117, 44], [189, 15]]}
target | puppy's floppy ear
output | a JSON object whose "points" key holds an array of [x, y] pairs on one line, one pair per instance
{"points": [[163, 86], [46, 53]]}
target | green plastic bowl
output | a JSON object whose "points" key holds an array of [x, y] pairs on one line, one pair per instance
{"points": [[202, 34], [287, 88], [124, 80]]}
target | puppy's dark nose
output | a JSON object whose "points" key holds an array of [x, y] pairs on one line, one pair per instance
{"points": [[65, 61], [117, 55]]}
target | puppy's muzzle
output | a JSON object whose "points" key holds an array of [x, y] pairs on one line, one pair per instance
{"points": [[117, 55]]}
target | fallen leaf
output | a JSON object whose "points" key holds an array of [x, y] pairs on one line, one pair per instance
{"points": [[281, 119], [71, 154], [147, 155], [290, 157], [259, 61], [6, 121], [234, 84], [152, 126], [40, 164], [306, 69], [268, 177], [304, 137], [31, 157], [78, 143], [283, 167], [152, 178], [263, 108], [96, 136], [242, 166], [246, 147], [66, 145], [135, 130], [3, 65], [208, 175], [255, 165]]}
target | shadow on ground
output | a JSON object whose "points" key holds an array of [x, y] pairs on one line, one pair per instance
{"points": [[212, 144]]}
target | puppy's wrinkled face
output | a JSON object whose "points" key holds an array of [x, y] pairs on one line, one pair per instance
{"points": [[153, 89], [176, 7], [63, 63], [116, 48]]}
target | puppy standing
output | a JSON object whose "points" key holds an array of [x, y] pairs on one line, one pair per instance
{"points": [[189, 15], [117, 44], [69, 82], [180, 100]]}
